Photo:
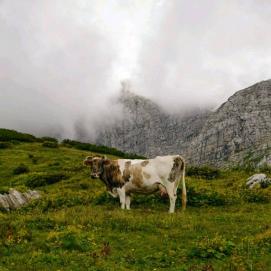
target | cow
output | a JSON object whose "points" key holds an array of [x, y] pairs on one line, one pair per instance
{"points": [[123, 177]]}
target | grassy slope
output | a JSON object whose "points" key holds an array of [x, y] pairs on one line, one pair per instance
{"points": [[69, 227]]}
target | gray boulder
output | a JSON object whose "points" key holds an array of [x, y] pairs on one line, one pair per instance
{"points": [[15, 199], [260, 179]]}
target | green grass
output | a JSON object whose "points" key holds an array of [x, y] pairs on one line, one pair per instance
{"points": [[77, 226]]}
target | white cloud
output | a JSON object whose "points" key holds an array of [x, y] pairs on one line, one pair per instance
{"points": [[63, 60]]}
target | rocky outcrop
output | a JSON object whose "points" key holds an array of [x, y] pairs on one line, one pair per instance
{"points": [[238, 132], [258, 179], [148, 130], [15, 199]]}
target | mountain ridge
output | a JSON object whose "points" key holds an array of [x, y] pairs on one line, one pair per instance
{"points": [[223, 137]]}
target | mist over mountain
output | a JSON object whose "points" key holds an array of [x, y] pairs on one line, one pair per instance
{"points": [[61, 62], [238, 131]]}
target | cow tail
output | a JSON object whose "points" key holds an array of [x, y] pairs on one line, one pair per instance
{"points": [[184, 194]]}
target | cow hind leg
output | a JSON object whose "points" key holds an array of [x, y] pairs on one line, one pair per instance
{"points": [[171, 190], [127, 202]]}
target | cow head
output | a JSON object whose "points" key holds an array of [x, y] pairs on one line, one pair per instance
{"points": [[96, 164]]}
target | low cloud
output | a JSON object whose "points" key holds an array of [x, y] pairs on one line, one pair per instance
{"points": [[201, 52], [61, 62]]}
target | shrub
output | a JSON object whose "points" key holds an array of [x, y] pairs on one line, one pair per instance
{"points": [[5, 145], [20, 169], [33, 158], [70, 240], [50, 144], [204, 172], [50, 139], [216, 247], [10, 135], [42, 179], [201, 198], [99, 149], [255, 196]]}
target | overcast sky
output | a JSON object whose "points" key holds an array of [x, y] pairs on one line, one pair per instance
{"points": [[63, 60]]}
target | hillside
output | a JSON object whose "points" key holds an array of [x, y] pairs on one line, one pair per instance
{"points": [[238, 132], [77, 226]]}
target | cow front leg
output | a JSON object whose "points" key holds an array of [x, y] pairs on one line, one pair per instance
{"points": [[128, 202], [122, 197]]}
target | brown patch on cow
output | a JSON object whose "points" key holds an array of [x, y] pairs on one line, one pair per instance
{"points": [[146, 175], [144, 163], [137, 175], [111, 174], [127, 172], [176, 169]]}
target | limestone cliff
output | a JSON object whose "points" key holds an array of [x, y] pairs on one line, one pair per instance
{"points": [[238, 131], [148, 130]]}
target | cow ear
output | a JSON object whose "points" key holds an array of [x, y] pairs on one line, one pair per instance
{"points": [[88, 161]]}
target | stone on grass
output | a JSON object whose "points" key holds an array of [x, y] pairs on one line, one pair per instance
{"points": [[15, 199], [260, 179]]}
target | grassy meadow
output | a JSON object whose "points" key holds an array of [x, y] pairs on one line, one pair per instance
{"points": [[77, 226]]}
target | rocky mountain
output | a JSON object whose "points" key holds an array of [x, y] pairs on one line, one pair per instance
{"points": [[148, 130], [239, 130]]}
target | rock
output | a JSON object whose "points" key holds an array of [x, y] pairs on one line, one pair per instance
{"points": [[260, 179], [15, 199]]}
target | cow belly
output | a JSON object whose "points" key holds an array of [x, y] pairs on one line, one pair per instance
{"points": [[130, 188]]}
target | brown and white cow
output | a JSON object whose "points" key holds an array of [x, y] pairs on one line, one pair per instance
{"points": [[123, 177]]}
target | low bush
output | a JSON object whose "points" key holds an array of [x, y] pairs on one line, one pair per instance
{"points": [[50, 139], [33, 158], [20, 169], [204, 172], [99, 149], [42, 179], [10, 135], [255, 195], [5, 145], [203, 197], [50, 144], [216, 247]]}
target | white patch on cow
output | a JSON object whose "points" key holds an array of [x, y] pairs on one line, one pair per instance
{"points": [[159, 169]]}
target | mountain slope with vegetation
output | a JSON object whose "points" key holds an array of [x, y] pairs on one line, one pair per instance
{"points": [[77, 226]]}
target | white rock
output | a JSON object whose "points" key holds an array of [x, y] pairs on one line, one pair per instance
{"points": [[257, 179], [15, 199]]}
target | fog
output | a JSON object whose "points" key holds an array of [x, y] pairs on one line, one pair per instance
{"points": [[62, 61]]}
